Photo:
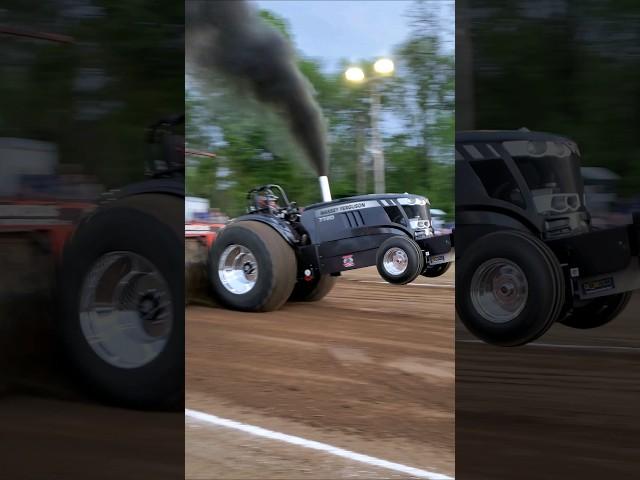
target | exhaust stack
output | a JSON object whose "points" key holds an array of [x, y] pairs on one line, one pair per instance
{"points": [[324, 188]]}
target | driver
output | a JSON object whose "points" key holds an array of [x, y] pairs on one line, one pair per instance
{"points": [[268, 201]]}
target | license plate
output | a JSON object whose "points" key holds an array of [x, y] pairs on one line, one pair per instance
{"points": [[438, 259], [593, 286]]}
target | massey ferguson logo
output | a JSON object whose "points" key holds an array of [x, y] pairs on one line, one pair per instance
{"points": [[347, 207]]}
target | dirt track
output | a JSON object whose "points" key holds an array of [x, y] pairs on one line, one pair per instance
{"points": [[369, 369], [45, 437], [49, 427], [564, 407]]}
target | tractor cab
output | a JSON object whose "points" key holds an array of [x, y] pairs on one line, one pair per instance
{"points": [[167, 151], [272, 200]]}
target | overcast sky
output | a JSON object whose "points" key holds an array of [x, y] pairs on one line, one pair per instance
{"points": [[351, 29]]}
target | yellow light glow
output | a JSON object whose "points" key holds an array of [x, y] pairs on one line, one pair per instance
{"points": [[354, 74], [384, 66]]}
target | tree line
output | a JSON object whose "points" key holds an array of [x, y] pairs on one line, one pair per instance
{"points": [[253, 145]]}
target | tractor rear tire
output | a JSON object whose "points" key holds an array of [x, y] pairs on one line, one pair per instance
{"points": [[251, 267], [121, 318], [312, 291], [509, 288], [399, 260], [597, 312]]}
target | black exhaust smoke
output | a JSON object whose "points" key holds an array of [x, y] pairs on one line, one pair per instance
{"points": [[229, 36]]}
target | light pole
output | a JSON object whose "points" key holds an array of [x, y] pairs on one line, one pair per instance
{"points": [[383, 67]]}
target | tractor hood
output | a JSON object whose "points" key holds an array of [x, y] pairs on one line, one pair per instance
{"points": [[384, 198], [366, 214]]}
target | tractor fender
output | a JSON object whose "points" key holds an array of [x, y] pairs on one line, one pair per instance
{"points": [[167, 186], [471, 224], [279, 225], [162, 198]]}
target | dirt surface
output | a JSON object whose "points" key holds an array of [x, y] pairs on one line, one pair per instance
{"points": [[50, 428], [43, 437], [370, 369], [239, 455], [565, 406]]}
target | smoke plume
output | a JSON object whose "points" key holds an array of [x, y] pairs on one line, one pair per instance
{"points": [[229, 36]]}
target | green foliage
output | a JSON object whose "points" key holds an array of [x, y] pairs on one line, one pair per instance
{"points": [[276, 22], [254, 147], [572, 71], [94, 97]]}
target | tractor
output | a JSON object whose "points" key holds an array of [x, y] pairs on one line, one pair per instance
{"points": [[528, 251], [278, 252]]}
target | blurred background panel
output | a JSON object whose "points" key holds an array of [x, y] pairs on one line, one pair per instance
{"points": [[559, 407], [561, 66], [87, 77], [80, 83]]}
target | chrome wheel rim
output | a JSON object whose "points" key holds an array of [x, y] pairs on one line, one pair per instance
{"points": [[395, 261], [238, 269], [126, 313], [499, 290]]}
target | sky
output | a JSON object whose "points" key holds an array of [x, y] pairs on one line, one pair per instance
{"points": [[351, 29], [332, 30]]}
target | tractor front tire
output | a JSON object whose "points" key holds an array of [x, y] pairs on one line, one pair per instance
{"points": [[399, 260], [509, 288], [433, 271], [597, 312]]}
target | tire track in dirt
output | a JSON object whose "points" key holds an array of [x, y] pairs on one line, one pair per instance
{"points": [[343, 367], [551, 412]]}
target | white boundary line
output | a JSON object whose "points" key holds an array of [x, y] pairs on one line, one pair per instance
{"points": [[323, 447], [568, 346]]}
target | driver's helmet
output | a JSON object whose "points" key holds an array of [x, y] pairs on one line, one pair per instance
{"points": [[267, 200]]}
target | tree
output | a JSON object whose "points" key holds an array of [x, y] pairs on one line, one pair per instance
{"points": [[253, 145], [569, 68]]}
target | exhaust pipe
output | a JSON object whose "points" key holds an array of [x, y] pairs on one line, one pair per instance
{"points": [[324, 188]]}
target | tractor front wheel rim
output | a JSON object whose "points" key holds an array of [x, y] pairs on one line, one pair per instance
{"points": [[499, 290], [395, 261]]}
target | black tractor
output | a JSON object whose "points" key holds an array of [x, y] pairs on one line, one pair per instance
{"points": [[121, 319], [529, 255], [279, 252]]}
